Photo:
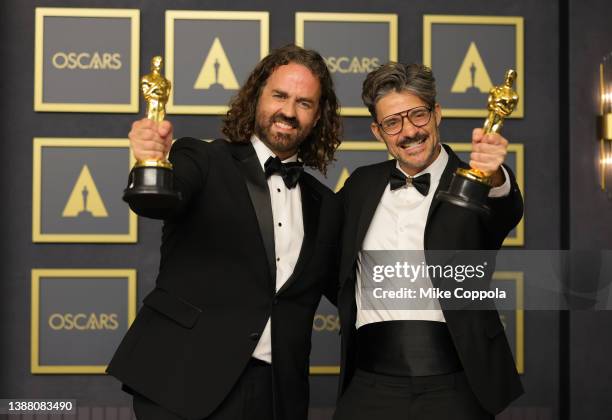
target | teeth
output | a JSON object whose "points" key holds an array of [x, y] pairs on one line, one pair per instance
{"points": [[414, 144], [283, 125], [411, 146]]}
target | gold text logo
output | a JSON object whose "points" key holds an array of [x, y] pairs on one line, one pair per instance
{"points": [[82, 321], [326, 323], [86, 61], [346, 65]]}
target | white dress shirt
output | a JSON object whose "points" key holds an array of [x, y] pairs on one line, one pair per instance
{"points": [[399, 224], [288, 234]]}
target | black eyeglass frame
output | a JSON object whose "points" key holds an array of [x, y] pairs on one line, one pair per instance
{"points": [[405, 114]]}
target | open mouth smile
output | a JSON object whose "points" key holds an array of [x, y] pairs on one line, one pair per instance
{"points": [[412, 144], [283, 126]]}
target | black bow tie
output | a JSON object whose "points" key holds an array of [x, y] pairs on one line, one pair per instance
{"points": [[290, 171], [399, 180]]}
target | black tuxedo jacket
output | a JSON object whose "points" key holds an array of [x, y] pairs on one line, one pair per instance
{"points": [[478, 335], [215, 289]]}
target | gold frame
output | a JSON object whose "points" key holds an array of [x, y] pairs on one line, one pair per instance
{"points": [[390, 18], [517, 21], [357, 146], [132, 14], [519, 344], [324, 370], [37, 235], [172, 15], [519, 150], [37, 274], [366, 146]]}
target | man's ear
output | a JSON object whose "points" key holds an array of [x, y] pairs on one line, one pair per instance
{"points": [[376, 131]]}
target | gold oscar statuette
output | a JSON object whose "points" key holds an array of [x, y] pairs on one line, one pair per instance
{"points": [[469, 188], [150, 184]]}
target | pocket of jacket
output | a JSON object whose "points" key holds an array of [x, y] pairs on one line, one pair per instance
{"points": [[173, 307]]}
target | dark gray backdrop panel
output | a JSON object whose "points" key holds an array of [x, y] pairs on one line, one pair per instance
{"points": [[538, 131]]}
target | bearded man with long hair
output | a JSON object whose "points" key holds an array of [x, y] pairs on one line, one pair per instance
{"points": [[245, 256]]}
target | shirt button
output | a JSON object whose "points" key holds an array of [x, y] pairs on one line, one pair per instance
{"points": [[254, 336], [280, 224], [277, 258], [278, 189]]}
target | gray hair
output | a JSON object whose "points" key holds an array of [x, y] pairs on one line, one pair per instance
{"points": [[395, 77]]}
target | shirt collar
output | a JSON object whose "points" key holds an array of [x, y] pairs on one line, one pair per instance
{"points": [[435, 169], [263, 152]]}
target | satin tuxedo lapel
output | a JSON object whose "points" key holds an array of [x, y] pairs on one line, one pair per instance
{"points": [[259, 194], [311, 205], [360, 221]]}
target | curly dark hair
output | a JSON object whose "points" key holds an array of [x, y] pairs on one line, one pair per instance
{"points": [[317, 150]]}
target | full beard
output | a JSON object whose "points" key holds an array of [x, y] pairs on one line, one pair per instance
{"points": [[279, 142]]}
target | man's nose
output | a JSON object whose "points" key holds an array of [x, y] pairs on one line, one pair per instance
{"points": [[288, 109], [408, 129]]}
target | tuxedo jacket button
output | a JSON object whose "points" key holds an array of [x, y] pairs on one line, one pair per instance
{"points": [[254, 336]]}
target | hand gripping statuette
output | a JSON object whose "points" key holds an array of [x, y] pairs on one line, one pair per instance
{"points": [[469, 188], [150, 184]]}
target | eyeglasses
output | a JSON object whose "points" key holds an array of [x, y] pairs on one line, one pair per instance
{"points": [[394, 123]]}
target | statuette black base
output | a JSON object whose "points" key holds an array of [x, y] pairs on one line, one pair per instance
{"points": [[151, 189], [467, 193]]}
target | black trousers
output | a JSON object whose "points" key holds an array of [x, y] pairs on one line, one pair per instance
{"points": [[249, 399], [441, 397]]}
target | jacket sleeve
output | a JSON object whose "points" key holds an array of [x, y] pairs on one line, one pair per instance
{"points": [[506, 212]]}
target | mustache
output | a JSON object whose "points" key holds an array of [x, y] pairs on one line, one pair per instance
{"points": [[292, 121], [417, 138]]}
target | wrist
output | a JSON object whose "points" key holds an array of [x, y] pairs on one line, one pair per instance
{"points": [[498, 178]]}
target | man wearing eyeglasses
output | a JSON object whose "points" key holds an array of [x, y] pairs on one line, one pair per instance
{"points": [[415, 363]]}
